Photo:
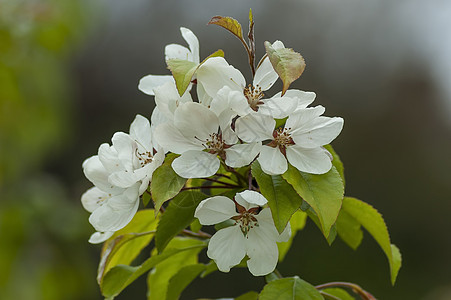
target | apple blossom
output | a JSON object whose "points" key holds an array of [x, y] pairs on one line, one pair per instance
{"points": [[300, 141], [253, 232]]}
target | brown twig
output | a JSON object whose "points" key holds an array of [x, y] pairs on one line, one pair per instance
{"points": [[352, 286]]}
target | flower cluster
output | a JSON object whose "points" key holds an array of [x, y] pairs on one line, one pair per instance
{"points": [[218, 120]]}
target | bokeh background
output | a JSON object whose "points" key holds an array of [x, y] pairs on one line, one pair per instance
{"points": [[68, 80]]}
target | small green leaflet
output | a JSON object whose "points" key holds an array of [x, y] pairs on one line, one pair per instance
{"points": [[373, 222], [292, 288], [248, 296], [349, 230], [182, 279], [288, 64], [282, 198], [324, 193], [178, 215], [165, 183], [230, 24], [183, 70], [337, 292], [336, 162]]}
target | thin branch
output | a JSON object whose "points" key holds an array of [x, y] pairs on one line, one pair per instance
{"points": [[200, 234], [221, 182], [352, 286], [210, 187]]}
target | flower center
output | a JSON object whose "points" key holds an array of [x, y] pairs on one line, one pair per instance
{"points": [[282, 137], [144, 158], [253, 96], [247, 221], [214, 144]]}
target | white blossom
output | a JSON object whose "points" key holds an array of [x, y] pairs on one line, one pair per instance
{"points": [[253, 233], [300, 141], [148, 83], [197, 135]]}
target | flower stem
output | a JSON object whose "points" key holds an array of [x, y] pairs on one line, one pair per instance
{"points": [[200, 234], [352, 286], [221, 182], [211, 187]]}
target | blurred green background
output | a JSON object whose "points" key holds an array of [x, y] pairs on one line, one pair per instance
{"points": [[68, 80]]}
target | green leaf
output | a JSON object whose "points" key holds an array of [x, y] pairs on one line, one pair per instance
{"points": [[182, 71], [228, 23], [297, 223], [324, 193], [336, 162], [182, 279], [165, 183], [337, 292], [248, 296], [146, 198], [195, 225], [158, 280], [373, 222], [288, 64], [178, 215], [125, 245], [119, 277], [349, 230], [292, 288], [282, 198]]}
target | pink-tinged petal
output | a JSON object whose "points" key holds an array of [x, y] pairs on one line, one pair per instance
{"points": [[320, 131], [304, 98], [255, 127], [265, 76], [196, 164], [196, 121], [192, 41], [226, 247], [272, 161], [278, 107], [100, 237], [241, 155], [216, 73], [262, 251], [93, 198], [309, 160], [176, 51], [140, 131], [249, 199], [215, 210], [148, 83], [171, 139]]}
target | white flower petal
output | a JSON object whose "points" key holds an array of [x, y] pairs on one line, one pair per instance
{"points": [[114, 217], [255, 127], [262, 251], [249, 199], [300, 119], [310, 160], [125, 147], [140, 132], [109, 158], [202, 95], [216, 73], [215, 210], [266, 223], [93, 198], [196, 164], [272, 161], [227, 247], [304, 98], [176, 51], [278, 107], [98, 175], [241, 155], [100, 237], [171, 139], [195, 121], [168, 99], [265, 75], [157, 118], [192, 41], [148, 83], [321, 131], [124, 179]]}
